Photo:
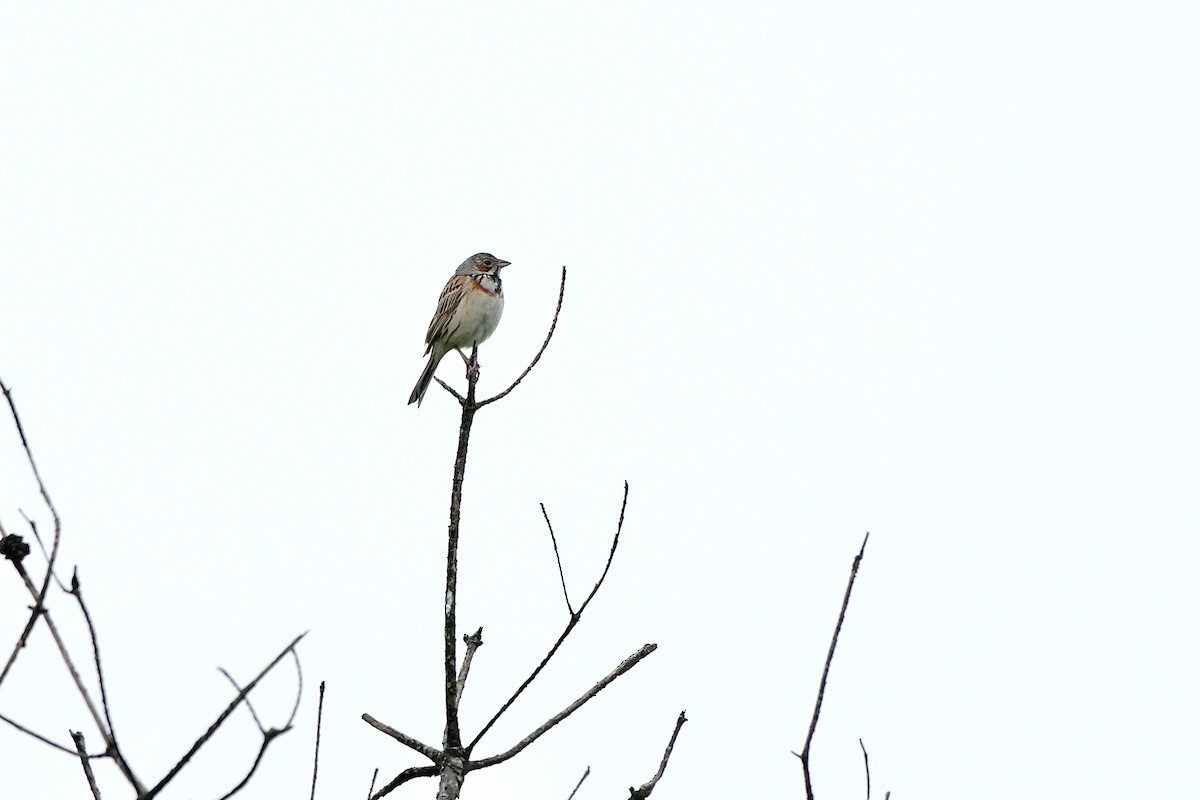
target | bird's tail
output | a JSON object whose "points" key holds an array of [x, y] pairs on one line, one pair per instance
{"points": [[418, 392]]}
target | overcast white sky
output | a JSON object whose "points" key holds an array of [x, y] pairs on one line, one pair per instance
{"points": [[924, 269]]}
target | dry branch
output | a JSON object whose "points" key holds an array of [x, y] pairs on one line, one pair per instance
{"points": [[643, 791], [812, 725], [84, 759], [570, 626], [621, 669]]}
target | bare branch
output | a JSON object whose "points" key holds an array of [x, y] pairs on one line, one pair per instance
{"points": [[473, 641], [40, 596], [562, 288], [612, 551], [557, 559], [212, 729], [812, 726], [268, 737], [14, 549], [621, 669], [586, 772], [571, 623], [299, 689], [38, 736], [643, 791], [110, 745], [317, 746], [403, 778], [432, 753], [866, 766], [12, 407], [110, 736], [452, 736], [371, 789], [81, 748], [450, 389]]}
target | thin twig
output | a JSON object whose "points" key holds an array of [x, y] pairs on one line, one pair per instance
{"points": [[77, 592], [812, 725], [643, 791], [371, 789], [110, 735], [571, 623], [621, 669], [562, 288], [81, 749], [557, 559], [432, 753], [473, 641], [866, 766], [317, 746], [586, 772], [212, 729], [451, 390], [38, 736]]}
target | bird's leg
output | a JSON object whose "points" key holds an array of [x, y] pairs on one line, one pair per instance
{"points": [[472, 364]]}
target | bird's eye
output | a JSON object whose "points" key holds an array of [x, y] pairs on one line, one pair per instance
{"points": [[487, 262]]}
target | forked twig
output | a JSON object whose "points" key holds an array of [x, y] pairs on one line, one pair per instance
{"points": [[621, 669], [212, 729], [571, 623], [110, 745]]}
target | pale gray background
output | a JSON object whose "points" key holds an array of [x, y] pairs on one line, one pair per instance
{"points": [[924, 269]]}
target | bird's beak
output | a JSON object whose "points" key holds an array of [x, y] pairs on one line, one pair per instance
{"points": [[501, 263]]}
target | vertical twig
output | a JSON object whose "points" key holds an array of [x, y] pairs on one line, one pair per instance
{"points": [[452, 739], [317, 746], [812, 725], [473, 641], [81, 748], [866, 767]]}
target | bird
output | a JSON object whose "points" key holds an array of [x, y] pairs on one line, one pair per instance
{"points": [[468, 311]]}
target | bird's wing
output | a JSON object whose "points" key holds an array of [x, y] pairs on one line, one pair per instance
{"points": [[452, 297]]}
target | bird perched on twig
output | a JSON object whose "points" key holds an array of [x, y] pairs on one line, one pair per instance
{"points": [[467, 314]]}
